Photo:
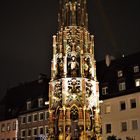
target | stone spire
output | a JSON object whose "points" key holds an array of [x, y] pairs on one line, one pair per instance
{"points": [[73, 13], [73, 89]]}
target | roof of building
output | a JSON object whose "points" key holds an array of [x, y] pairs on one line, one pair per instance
{"points": [[108, 75], [16, 97]]}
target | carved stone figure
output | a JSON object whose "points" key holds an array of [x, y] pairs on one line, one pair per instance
{"points": [[73, 86], [88, 88], [73, 65], [59, 66], [58, 89], [87, 69]]}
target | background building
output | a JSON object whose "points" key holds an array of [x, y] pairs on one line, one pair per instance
{"points": [[120, 92], [33, 122], [16, 97], [9, 129], [27, 103]]}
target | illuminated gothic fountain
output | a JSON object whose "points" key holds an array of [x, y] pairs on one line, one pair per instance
{"points": [[73, 89]]}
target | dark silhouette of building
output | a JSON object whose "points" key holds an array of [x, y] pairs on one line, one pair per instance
{"points": [[119, 82], [123, 70], [16, 97]]}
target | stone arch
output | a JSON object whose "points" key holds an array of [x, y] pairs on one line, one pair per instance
{"points": [[74, 113]]}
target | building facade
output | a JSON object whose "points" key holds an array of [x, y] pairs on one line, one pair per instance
{"points": [[34, 124], [28, 102], [120, 92], [121, 117], [9, 129], [74, 91]]}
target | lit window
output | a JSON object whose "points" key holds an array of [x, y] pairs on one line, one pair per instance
{"points": [[122, 86], [133, 103], [46, 130], [120, 73], [8, 127], [122, 105], [23, 133], [28, 105], [41, 116], [107, 109], [2, 127], [104, 90], [124, 126], [108, 128], [34, 131], [29, 132], [134, 124], [29, 118], [40, 102], [137, 82], [23, 119], [40, 130], [136, 69], [34, 117], [46, 115], [14, 126]]}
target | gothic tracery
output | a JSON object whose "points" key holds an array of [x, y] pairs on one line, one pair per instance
{"points": [[74, 87]]}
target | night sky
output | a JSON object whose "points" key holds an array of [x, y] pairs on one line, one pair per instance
{"points": [[27, 26]]}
